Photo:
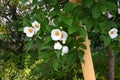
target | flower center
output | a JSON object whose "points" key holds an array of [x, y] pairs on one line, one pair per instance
{"points": [[62, 35], [30, 30], [57, 33], [112, 32], [37, 26]]}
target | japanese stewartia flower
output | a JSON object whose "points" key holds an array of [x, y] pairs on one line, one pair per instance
{"points": [[57, 46], [109, 15], [29, 31], [118, 10], [51, 22], [64, 36], [113, 33], [56, 34], [118, 7], [65, 50], [36, 26]]}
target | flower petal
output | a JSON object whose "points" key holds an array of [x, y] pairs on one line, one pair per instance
{"points": [[26, 29], [65, 50], [36, 26], [113, 33], [109, 15], [30, 35], [118, 10], [64, 36], [57, 46], [29, 31]]}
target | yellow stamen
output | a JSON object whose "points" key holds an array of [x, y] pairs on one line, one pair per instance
{"points": [[62, 36], [37, 26], [30, 30], [57, 33], [112, 32]]}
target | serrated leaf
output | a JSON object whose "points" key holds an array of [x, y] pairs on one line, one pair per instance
{"points": [[88, 22], [55, 64], [67, 20], [83, 32], [107, 41], [53, 2], [88, 3], [46, 54], [47, 40], [28, 45], [83, 46], [71, 59], [26, 22], [24, 1], [103, 8], [73, 29], [69, 6], [96, 12], [110, 5], [80, 56]]}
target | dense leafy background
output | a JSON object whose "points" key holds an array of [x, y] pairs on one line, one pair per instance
{"points": [[36, 56]]}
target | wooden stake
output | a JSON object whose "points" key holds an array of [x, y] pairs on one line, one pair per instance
{"points": [[87, 67]]}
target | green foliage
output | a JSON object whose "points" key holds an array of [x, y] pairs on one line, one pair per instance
{"points": [[36, 56]]}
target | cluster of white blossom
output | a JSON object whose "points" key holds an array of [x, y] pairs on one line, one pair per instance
{"points": [[113, 32], [60, 36], [30, 31]]}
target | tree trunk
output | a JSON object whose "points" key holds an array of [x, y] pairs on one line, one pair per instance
{"points": [[111, 63]]}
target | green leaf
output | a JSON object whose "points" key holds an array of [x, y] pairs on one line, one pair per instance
{"points": [[24, 1], [35, 1], [53, 2], [28, 45], [46, 54], [55, 64], [73, 29], [96, 12], [88, 22], [80, 56], [110, 5], [26, 22], [58, 54], [107, 40], [69, 6], [88, 3], [83, 32], [47, 40], [83, 46], [71, 59], [104, 27], [103, 8], [66, 19]]}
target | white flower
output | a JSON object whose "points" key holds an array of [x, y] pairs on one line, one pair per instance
{"points": [[65, 50], [118, 10], [36, 26], [51, 22], [109, 15], [28, 2], [29, 31], [113, 33], [118, 3], [56, 34], [64, 36], [57, 46]]}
